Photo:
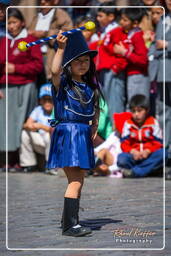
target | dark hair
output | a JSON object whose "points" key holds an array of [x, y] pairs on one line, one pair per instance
{"points": [[81, 19], [14, 12], [90, 78], [141, 3], [139, 100], [107, 10], [133, 14]]}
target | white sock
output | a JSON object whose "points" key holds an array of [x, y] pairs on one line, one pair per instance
{"points": [[77, 226]]}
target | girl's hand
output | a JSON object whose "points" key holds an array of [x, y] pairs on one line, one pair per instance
{"points": [[61, 39], [10, 68], [93, 132], [161, 44], [119, 49]]}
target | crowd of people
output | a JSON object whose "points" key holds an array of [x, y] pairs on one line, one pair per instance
{"points": [[130, 71]]}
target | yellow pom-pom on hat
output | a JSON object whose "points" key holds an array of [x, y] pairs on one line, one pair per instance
{"points": [[90, 25], [22, 46]]}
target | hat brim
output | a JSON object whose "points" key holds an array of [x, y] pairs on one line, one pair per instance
{"points": [[89, 52]]}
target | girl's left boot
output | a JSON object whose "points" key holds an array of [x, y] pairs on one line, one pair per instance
{"points": [[70, 225]]}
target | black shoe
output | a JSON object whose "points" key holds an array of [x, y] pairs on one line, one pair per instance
{"points": [[168, 173], [77, 231], [128, 173], [70, 225]]}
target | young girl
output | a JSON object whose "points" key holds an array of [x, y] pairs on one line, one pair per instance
{"points": [[75, 95]]}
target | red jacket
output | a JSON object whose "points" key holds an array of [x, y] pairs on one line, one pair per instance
{"points": [[106, 58], [137, 53], [135, 60], [148, 136], [27, 64]]}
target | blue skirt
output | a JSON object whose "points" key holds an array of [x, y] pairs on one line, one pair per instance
{"points": [[71, 146]]}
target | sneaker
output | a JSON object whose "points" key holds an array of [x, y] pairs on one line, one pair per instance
{"points": [[116, 174], [15, 168], [29, 169], [51, 171], [168, 173], [128, 173]]}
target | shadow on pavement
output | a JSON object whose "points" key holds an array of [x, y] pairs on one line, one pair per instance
{"points": [[96, 224]]}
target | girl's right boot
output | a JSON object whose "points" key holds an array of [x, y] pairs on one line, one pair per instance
{"points": [[70, 225]]}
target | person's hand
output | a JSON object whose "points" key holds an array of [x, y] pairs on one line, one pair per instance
{"points": [[148, 36], [93, 132], [136, 154], [38, 33], [61, 39], [1, 95], [161, 44], [145, 153], [36, 126], [119, 49], [10, 68], [31, 127]]}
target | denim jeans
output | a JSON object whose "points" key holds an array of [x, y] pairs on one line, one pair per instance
{"points": [[143, 167]]}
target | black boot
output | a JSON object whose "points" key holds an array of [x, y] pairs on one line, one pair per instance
{"points": [[70, 225], [77, 214]]}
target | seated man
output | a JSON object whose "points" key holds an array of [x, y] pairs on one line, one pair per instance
{"points": [[35, 136], [141, 141]]}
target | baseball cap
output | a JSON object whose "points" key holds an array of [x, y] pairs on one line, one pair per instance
{"points": [[45, 90]]}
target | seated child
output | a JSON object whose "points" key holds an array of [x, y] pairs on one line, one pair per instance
{"points": [[141, 141], [35, 137], [106, 154]]}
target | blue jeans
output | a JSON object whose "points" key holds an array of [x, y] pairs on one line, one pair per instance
{"points": [[141, 167]]}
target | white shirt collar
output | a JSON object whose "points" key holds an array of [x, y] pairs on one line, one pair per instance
{"points": [[46, 16], [22, 34]]}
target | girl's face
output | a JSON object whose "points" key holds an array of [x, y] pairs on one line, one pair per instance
{"points": [[139, 115], [168, 4], [80, 66], [15, 26], [126, 23], [156, 13]]}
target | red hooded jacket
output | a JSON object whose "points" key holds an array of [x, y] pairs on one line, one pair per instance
{"points": [[148, 136]]}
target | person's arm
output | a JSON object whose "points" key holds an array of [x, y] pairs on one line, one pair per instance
{"points": [[39, 126], [1, 95], [58, 58], [29, 124], [95, 123]]}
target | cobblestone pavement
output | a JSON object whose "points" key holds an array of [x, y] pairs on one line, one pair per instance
{"points": [[111, 207]]}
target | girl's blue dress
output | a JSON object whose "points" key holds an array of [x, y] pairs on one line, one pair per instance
{"points": [[71, 143]]}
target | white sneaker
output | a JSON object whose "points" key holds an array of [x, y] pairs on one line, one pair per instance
{"points": [[51, 172]]}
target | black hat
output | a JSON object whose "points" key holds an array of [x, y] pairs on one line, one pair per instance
{"points": [[76, 46]]}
